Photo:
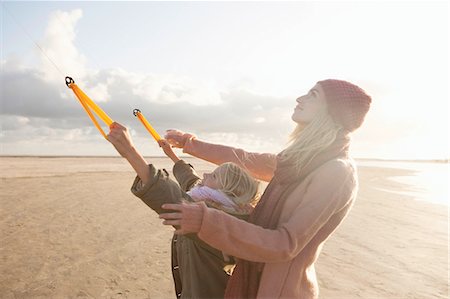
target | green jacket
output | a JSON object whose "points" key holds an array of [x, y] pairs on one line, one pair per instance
{"points": [[199, 270]]}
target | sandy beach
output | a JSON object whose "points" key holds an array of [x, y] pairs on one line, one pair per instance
{"points": [[70, 228]]}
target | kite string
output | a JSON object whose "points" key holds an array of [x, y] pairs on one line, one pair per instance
{"points": [[12, 16], [31, 38], [84, 99]]}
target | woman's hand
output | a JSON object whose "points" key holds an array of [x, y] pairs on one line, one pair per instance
{"points": [[121, 139], [187, 217], [178, 138]]}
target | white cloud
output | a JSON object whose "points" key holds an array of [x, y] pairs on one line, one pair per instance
{"points": [[14, 122], [58, 46], [407, 77], [168, 89], [99, 92], [259, 120], [46, 113]]}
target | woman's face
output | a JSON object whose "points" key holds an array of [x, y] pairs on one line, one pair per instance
{"points": [[309, 105]]}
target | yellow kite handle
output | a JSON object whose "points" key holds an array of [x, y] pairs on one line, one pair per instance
{"points": [[88, 111], [87, 103], [146, 124], [106, 119]]}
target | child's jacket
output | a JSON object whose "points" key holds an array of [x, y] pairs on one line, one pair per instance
{"points": [[199, 270]]}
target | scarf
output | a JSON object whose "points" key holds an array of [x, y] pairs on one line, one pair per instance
{"points": [[202, 193], [244, 282]]}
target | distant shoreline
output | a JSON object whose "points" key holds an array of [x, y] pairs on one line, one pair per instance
{"points": [[187, 156], [405, 160]]}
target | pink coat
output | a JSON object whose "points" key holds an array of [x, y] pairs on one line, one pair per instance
{"points": [[311, 213]]}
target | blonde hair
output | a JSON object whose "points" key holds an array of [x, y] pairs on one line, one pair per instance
{"points": [[237, 184], [306, 141]]}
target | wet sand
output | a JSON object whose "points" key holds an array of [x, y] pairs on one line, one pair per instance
{"points": [[70, 228]]}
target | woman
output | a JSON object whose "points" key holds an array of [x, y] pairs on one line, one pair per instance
{"points": [[313, 185]]}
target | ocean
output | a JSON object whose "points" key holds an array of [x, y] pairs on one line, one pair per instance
{"points": [[429, 181]]}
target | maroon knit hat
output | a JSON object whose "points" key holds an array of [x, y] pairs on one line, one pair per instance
{"points": [[347, 103]]}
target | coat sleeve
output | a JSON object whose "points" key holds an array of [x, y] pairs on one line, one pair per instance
{"points": [[261, 166], [160, 189], [329, 190], [185, 175]]}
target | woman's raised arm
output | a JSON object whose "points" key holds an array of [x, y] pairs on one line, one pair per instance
{"points": [[260, 165]]}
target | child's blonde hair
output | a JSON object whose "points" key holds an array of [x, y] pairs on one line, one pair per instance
{"points": [[237, 184]]}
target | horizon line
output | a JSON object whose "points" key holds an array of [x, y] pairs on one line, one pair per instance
{"points": [[188, 156]]}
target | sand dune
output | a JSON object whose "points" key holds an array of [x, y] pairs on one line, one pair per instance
{"points": [[70, 228]]}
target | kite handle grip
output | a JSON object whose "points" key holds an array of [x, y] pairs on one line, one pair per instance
{"points": [[69, 81]]}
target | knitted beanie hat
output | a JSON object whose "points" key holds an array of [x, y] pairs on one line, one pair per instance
{"points": [[347, 103]]}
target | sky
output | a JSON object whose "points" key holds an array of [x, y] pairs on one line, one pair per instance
{"points": [[228, 72]]}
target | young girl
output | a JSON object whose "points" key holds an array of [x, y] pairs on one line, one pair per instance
{"points": [[228, 187], [313, 185], [199, 271]]}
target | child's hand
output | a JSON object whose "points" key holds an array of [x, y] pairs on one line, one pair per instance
{"points": [[167, 148], [120, 138]]}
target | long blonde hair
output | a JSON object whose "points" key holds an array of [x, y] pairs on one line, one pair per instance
{"points": [[306, 141], [237, 184]]}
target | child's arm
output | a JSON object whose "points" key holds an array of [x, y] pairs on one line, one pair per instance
{"points": [[121, 139], [167, 148]]}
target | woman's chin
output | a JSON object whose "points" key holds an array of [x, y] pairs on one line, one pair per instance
{"points": [[298, 120]]}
